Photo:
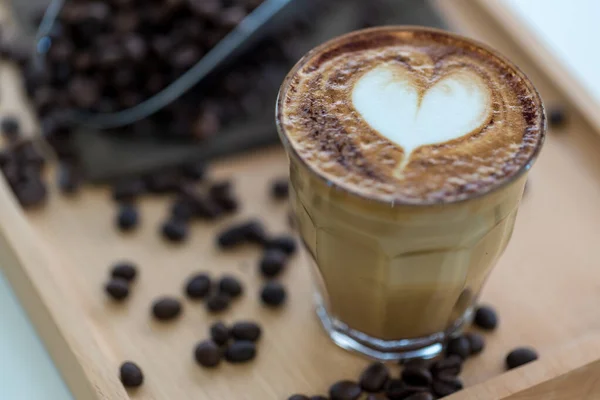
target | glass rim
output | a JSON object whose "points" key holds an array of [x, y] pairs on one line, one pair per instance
{"points": [[292, 151]]}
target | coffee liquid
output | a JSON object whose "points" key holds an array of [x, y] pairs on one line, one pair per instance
{"points": [[408, 151]]}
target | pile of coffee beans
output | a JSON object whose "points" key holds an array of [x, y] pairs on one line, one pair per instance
{"points": [[122, 275], [217, 295], [424, 379], [23, 164], [235, 344]]}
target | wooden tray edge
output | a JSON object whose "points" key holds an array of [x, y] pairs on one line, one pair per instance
{"points": [[568, 373], [34, 274]]}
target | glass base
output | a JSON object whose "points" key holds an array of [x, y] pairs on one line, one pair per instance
{"points": [[388, 350]]}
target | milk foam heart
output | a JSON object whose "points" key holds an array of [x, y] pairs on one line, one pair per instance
{"points": [[394, 103]]}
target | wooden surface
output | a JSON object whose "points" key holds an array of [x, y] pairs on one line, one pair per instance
{"points": [[546, 287]]}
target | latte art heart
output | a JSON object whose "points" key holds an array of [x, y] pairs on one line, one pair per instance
{"points": [[410, 115], [391, 100]]}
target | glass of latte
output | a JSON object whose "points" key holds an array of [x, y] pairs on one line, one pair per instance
{"points": [[409, 150]]}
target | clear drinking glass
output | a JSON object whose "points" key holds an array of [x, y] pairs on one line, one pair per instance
{"points": [[397, 280]]}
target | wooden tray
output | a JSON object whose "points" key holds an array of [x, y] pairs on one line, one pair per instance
{"points": [[546, 287]]}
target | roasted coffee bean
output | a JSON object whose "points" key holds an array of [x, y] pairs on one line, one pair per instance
{"points": [[124, 270], [397, 389], [231, 286], [280, 189], [287, 244], [476, 342], [198, 286], [520, 356], [298, 397], [117, 288], [246, 330], [83, 92], [128, 189], [69, 179], [219, 333], [486, 318], [32, 193], [557, 116], [174, 230], [254, 232], [273, 294], [318, 397], [128, 217], [220, 189], [207, 354], [417, 376], [232, 16], [273, 262], [218, 302], [240, 351], [227, 204], [459, 346], [236, 235], [131, 375], [183, 209], [166, 308], [445, 385], [374, 377], [11, 128], [185, 56], [415, 363], [345, 390], [421, 396], [451, 365]]}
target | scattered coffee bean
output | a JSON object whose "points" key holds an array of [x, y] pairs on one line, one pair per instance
{"points": [[273, 294], [11, 128], [345, 390], [486, 318], [397, 389], [174, 231], [231, 286], [520, 356], [246, 330], [128, 217], [445, 385], [459, 346], [557, 116], [198, 286], [280, 189], [166, 308], [240, 351], [124, 270], [117, 288], [476, 342], [417, 376], [255, 233], [218, 302], [232, 236], [183, 210], [219, 333], [32, 193], [273, 262], [451, 365], [287, 244], [131, 375], [207, 354], [318, 397], [421, 396], [374, 377], [298, 397]]}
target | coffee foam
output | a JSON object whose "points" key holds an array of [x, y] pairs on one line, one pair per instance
{"points": [[410, 115]]}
